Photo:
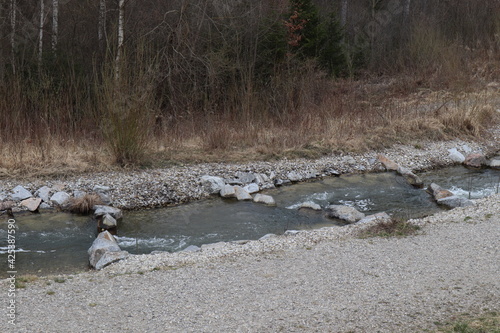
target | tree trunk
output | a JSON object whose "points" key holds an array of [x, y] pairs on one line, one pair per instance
{"points": [[40, 34], [55, 24], [406, 9], [343, 13], [102, 25], [13, 16], [121, 18]]}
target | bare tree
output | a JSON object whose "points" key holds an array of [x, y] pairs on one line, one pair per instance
{"points": [[343, 13], [406, 9], [13, 16], [40, 33], [121, 33], [55, 24], [102, 25]]}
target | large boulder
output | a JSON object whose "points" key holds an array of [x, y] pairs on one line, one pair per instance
{"points": [[19, 193], [31, 203], [382, 217], [455, 155], [212, 184], [294, 176], [252, 188], [242, 194], [265, 199], [101, 210], [245, 177], [43, 193], [59, 198], [387, 163], [227, 191], [110, 257], [310, 205], [410, 177], [495, 163], [475, 161], [438, 192], [345, 213], [105, 242], [454, 202], [107, 222]]}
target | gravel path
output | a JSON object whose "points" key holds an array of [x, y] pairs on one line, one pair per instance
{"points": [[322, 280]]}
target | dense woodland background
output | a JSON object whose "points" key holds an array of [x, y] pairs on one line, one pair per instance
{"points": [[126, 73]]}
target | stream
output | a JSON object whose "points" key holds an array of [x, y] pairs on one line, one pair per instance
{"points": [[54, 243]]}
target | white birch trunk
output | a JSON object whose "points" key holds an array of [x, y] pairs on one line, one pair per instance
{"points": [[343, 13], [55, 24], [13, 13], [102, 24], [40, 34], [406, 9], [121, 18]]}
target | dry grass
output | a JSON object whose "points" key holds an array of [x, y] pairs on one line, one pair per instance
{"points": [[394, 228], [348, 116], [83, 205]]}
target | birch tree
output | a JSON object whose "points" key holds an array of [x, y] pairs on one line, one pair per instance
{"points": [[40, 33], [343, 13], [13, 16], [121, 20], [101, 33], [55, 24]]}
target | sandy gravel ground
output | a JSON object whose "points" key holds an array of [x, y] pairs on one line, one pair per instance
{"points": [[325, 280]]}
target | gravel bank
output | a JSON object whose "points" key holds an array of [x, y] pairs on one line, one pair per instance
{"points": [[315, 281], [181, 184]]}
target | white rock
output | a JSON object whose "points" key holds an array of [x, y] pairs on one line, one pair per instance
{"points": [[310, 205], [79, 194], [241, 193], [382, 217], [59, 198], [227, 191], [104, 242], [212, 184], [101, 189], [20, 193], [43, 193], [265, 199], [346, 213], [294, 176], [252, 188], [456, 156]]}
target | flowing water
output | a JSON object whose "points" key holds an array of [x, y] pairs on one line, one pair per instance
{"points": [[50, 243]]}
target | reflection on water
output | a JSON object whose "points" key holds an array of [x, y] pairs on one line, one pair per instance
{"points": [[50, 243]]}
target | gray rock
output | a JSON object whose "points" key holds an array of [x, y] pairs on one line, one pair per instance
{"points": [[233, 181], [410, 177], [294, 176], [346, 213], [43, 193], [44, 205], [31, 203], [252, 188], [261, 179], [475, 161], [100, 210], [495, 163], [245, 177], [79, 194], [212, 184], [228, 192], [101, 189], [110, 257], [466, 149], [7, 205], [20, 193], [438, 192], [192, 248], [59, 198], [455, 155], [265, 199], [291, 232], [241, 193], [332, 172], [106, 200], [349, 160], [382, 217], [3, 196], [105, 242], [108, 222], [59, 187], [454, 202], [310, 205]]}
